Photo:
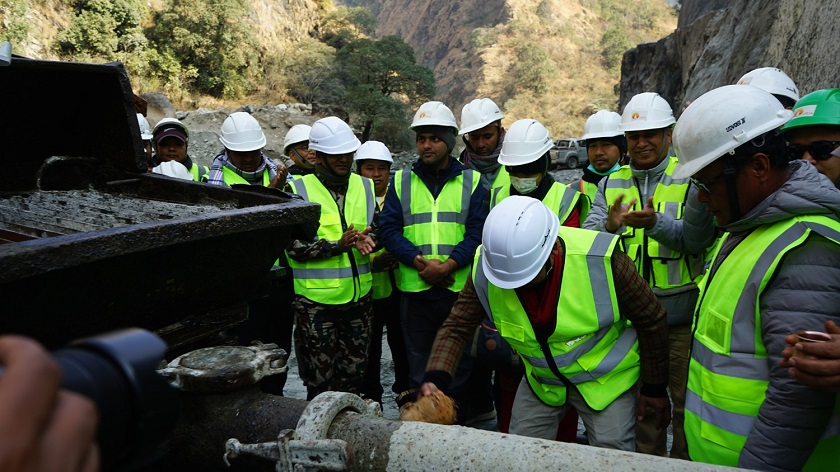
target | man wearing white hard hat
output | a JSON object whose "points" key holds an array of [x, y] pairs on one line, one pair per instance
{"points": [[432, 223], [296, 148], [373, 160], [242, 160], [483, 134], [332, 276], [170, 139], [666, 231], [776, 271], [606, 146], [576, 345]]}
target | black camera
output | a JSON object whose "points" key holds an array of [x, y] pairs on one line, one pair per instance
{"points": [[138, 409]]}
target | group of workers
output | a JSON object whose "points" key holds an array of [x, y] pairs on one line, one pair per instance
{"points": [[665, 290], [674, 288]]}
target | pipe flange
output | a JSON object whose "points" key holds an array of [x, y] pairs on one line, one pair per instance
{"points": [[318, 416]]}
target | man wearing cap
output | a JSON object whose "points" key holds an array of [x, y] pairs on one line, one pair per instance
{"points": [[171, 138], [577, 348], [665, 230], [483, 134], [776, 271], [432, 223], [605, 148], [332, 276], [813, 133], [242, 160]]}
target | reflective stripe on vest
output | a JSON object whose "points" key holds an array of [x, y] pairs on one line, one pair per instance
{"points": [[589, 190], [560, 199], [729, 369], [231, 177], [345, 277], [592, 346], [435, 226], [668, 268]]}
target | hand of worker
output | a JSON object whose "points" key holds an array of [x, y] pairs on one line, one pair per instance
{"points": [[420, 262], [821, 368], [435, 270], [428, 389], [661, 407], [348, 239], [43, 428], [446, 282], [364, 243], [645, 218], [384, 261], [279, 180], [617, 212]]}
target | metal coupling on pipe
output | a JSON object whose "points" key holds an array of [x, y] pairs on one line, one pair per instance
{"points": [[307, 447]]}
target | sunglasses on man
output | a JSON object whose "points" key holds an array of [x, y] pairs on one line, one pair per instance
{"points": [[820, 150]]}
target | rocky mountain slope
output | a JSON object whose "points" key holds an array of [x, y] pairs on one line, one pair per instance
{"points": [[718, 41]]}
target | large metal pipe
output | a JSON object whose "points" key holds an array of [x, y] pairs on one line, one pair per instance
{"points": [[375, 443]]}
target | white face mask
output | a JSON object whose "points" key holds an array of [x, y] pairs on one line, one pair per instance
{"points": [[524, 185]]}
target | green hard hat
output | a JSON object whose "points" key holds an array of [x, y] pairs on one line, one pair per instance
{"points": [[821, 107]]}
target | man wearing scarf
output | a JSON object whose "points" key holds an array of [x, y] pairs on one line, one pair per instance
{"points": [[332, 278], [482, 132], [242, 161]]}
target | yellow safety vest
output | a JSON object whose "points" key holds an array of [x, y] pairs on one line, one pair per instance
{"points": [[346, 277], [199, 173], [560, 199], [231, 177], [435, 226], [502, 178], [589, 190], [660, 265], [384, 281], [592, 346], [729, 369]]}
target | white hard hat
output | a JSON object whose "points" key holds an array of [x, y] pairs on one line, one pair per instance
{"points": [[297, 134], [434, 114], [166, 123], [646, 111], [720, 121], [518, 237], [145, 129], [173, 169], [373, 150], [526, 141], [479, 113], [603, 124], [771, 80], [331, 135], [241, 132]]}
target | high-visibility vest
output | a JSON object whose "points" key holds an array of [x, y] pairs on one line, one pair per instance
{"points": [[346, 277], [198, 172], [592, 346], [589, 190], [729, 369], [560, 199], [231, 177], [660, 265], [502, 179], [384, 281], [435, 226]]}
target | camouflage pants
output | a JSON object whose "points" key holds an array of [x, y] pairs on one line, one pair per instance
{"points": [[331, 344]]}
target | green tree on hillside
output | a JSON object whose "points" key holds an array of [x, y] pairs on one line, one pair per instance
{"points": [[382, 80], [103, 29], [533, 69], [347, 24], [211, 37]]}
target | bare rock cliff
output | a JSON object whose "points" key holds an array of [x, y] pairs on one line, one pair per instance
{"points": [[718, 46]]}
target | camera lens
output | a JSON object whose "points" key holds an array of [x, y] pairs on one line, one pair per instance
{"points": [[137, 407]]}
